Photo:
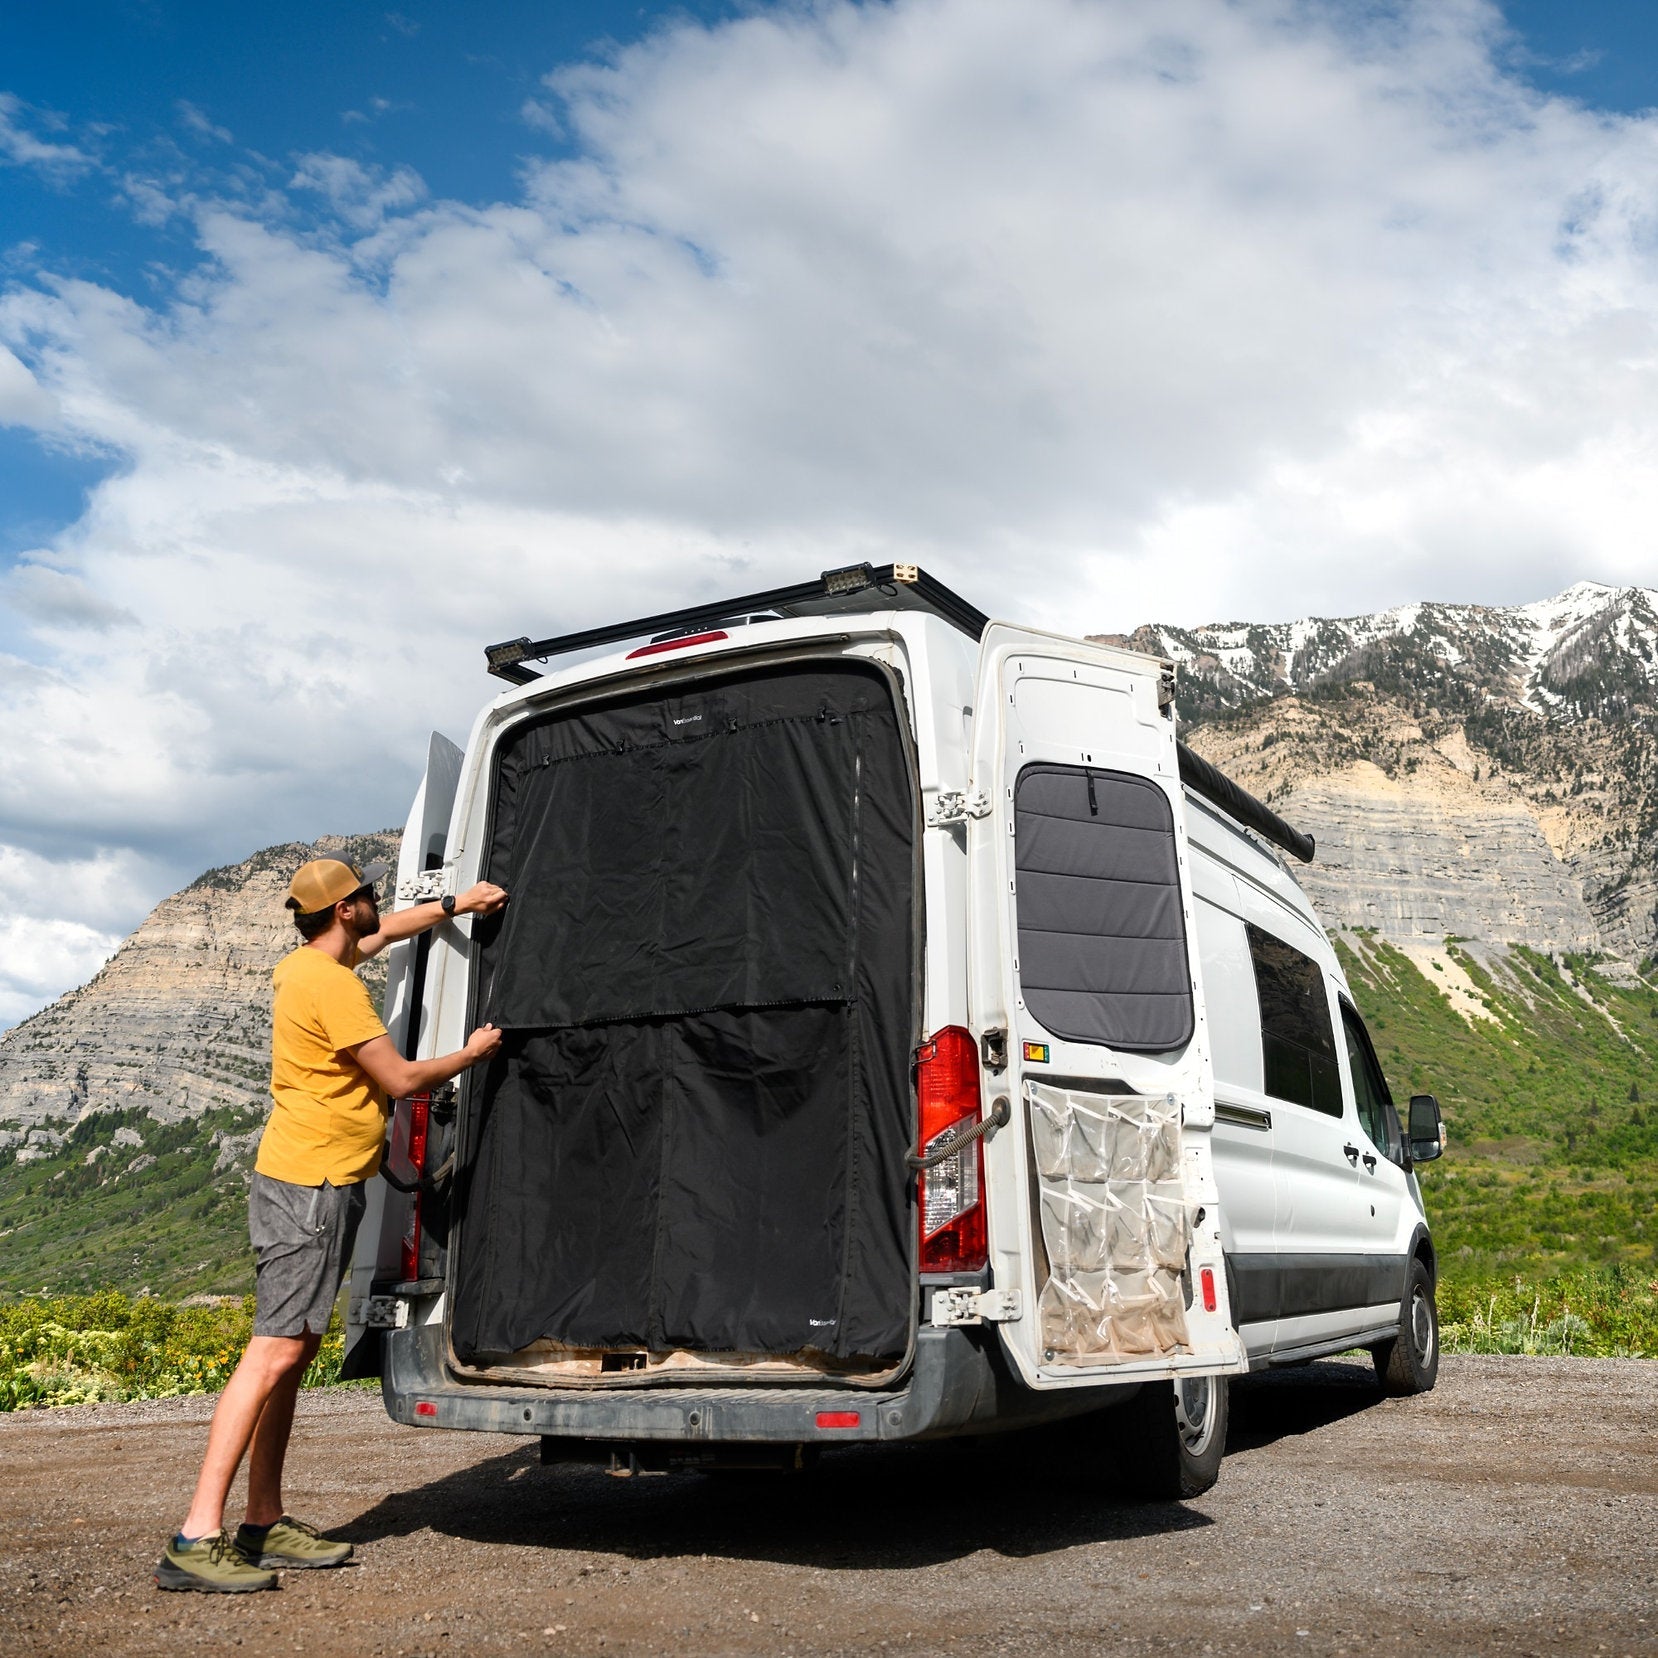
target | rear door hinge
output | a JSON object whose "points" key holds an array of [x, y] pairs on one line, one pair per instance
{"points": [[962, 1304], [957, 806], [993, 1049], [424, 888]]}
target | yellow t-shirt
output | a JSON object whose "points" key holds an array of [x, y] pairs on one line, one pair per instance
{"points": [[329, 1119]]}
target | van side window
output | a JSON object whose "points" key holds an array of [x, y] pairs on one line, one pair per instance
{"points": [[1298, 1045], [1376, 1113], [1102, 934]]}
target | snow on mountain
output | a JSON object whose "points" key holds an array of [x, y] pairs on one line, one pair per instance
{"points": [[1591, 651]]}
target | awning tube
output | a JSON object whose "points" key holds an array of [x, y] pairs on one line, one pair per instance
{"points": [[1219, 789]]}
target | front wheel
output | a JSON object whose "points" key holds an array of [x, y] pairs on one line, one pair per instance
{"points": [[1170, 1439], [1410, 1362]]}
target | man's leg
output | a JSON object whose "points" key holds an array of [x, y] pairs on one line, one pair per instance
{"points": [[270, 1441], [264, 1370]]}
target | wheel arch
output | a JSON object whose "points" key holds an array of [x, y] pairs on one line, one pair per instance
{"points": [[1422, 1249]]}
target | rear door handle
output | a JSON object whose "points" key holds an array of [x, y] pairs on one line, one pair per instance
{"points": [[1351, 1153], [1370, 1161]]}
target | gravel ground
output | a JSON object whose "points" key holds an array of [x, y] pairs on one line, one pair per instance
{"points": [[1515, 1509]]}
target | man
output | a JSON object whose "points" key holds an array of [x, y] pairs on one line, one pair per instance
{"points": [[332, 1068]]}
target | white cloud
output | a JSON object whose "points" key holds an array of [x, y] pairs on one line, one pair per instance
{"points": [[1105, 311], [23, 147], [362, 196], [40, 959]]}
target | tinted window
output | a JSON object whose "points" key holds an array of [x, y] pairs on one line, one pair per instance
{"points": [[1370, 1093], [1298, 1046], [1102, 937]]}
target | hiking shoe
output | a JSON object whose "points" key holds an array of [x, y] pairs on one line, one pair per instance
{"points": [[212, 1565], [291, 1544]]}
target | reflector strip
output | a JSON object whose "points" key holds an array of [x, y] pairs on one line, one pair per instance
{"points": [[676, 644], [838, 1418], [1207, 1279], [426, 1408]]}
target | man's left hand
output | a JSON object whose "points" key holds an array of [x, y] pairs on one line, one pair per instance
{"points": [[483, 899]]}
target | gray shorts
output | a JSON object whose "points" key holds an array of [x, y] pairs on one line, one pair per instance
{"points": [[302, 1242]]}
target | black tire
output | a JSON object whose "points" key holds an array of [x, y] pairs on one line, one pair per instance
{"points": [[1410, 1362], [1169, 1439]]}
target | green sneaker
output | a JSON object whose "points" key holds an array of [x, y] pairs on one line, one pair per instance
{"points": [[211, 1565], [292, 1544]]}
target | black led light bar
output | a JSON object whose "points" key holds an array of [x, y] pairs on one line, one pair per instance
{"points": [[857, 587]]}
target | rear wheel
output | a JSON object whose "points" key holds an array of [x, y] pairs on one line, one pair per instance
{"points": [[1410, 1362], [1170, 1439]]}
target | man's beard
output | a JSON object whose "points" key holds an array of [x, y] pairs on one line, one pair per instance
{"points": [[364, 923]]}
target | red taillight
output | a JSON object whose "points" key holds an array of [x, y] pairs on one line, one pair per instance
{"points": [[1207, 1279], [951, 1194], [409, 1136], [676, 644], [838, 1418]]}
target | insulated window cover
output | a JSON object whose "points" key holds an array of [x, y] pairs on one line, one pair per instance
{"points": [[694, 1135], [1102, 937]]}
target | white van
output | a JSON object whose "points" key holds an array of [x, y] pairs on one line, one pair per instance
{"points": [[905, 1037]]}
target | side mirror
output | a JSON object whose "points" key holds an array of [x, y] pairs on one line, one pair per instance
{"points": [[1427, 1129]]}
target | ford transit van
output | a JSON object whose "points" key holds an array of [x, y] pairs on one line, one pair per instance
{"points": [[905, 1036]]}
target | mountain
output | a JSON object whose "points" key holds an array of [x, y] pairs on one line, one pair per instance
{"points": [[1469, 770], [178, 1021]]}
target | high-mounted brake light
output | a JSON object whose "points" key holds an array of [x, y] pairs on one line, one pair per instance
{"points": [[678, 644], [410, 1123], [951, 1196]]}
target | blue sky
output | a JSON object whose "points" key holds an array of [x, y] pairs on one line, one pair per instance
{"points": [[337, 342], [436, 87]]}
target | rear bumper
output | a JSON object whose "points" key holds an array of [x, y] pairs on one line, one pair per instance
{"points": [[959, 1383]]}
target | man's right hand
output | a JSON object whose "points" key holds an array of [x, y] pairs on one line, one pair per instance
{"points": [[482, 1043]]}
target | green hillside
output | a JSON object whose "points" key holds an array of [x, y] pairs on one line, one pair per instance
{"points": [[171, 1225], [1552, 1106]]}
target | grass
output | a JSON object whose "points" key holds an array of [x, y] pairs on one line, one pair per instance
{"points": [[1551, 1107], [84, 1349]]}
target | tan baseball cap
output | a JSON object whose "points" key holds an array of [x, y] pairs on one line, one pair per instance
{"points": [[326, 881]]}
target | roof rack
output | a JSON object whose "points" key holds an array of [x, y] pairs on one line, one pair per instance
{"points": [[899, 587]]}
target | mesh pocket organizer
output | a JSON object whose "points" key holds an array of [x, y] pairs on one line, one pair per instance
{"points": [[1114, 1223]]}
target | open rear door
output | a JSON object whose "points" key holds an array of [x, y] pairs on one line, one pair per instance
{"points": [[380, 1238], [1103, 1210]]}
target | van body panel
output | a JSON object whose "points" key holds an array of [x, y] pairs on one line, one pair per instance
{"points": [[1043, 702]]}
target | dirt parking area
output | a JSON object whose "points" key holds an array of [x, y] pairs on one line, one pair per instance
{"points": [[1515, 1509]]}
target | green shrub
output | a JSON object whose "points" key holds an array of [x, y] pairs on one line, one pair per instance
{"points": [[80, 1349], [1599, 1312]]}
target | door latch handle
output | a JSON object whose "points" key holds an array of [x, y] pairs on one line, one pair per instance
{"points": [[1351, 1153], [1370, 1161]]}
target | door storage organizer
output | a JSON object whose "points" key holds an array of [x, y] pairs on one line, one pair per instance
{"points": [[1114, 1224]]}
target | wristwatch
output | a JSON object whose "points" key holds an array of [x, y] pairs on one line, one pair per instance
{"points": [[448, 903]]}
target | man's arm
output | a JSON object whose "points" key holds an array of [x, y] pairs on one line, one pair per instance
{"points": [[399, 1077], [482, 899]]}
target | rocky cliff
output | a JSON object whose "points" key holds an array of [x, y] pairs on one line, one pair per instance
{"points": [[178, 1021]]}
